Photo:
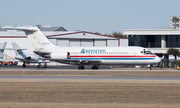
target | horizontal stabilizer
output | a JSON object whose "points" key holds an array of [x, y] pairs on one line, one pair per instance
{"points": [[21, 49], [9, 48], [32, 29], [15, 49]]}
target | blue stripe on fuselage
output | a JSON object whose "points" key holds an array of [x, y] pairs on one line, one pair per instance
{"points": [[115, 58]]}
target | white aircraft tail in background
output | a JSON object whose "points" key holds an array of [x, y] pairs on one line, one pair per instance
{"points": [[88, 55], [5, 60], [2, 47]]}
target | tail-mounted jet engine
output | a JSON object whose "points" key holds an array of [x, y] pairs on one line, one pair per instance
{"points": [[61, 55]]}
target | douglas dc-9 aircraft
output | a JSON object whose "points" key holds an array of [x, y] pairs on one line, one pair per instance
{"points": [[88, 55]]}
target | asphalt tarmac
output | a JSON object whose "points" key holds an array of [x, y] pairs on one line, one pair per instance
{"points": [[75, 67], [72, 68], [34, 67], [91, 77]]}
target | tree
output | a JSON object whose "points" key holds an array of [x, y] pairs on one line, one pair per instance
{"points": [[115, 34], [118, 34], [174, 52], [175, 20]]}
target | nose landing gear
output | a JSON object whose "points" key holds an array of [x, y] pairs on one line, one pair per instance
{"points": [[149, 67], [24, 65]]}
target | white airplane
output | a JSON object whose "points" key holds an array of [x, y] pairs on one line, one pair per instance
{"points": [[88, 55], [27, 58]]}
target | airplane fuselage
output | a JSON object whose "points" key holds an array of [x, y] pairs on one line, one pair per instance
{"points": [[106, 55]]}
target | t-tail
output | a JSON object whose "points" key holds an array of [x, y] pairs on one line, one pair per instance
{"points": [[18, 51], [2, 47], [38, 39]]}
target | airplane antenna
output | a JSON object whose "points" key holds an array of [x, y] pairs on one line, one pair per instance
{"points": [[39, 26]]}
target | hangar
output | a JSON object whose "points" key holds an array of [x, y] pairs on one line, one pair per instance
{"points": [[60, 37], [85, 39]]}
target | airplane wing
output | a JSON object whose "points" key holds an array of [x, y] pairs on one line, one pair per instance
{"points": [[73, 61], [32, 60]]}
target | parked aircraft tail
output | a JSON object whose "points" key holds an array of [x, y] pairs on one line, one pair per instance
{"points": [[2, 47], [18, 50]]}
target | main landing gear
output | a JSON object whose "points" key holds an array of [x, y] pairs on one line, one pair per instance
{"points": [[24, 65], [81, 67], [38, 66], [95, 67]]}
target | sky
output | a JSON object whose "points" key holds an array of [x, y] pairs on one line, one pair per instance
{"points": [[102, 16]]}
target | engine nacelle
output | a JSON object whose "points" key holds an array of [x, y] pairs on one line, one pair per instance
{"points": [[28, 57], [62, 55]]}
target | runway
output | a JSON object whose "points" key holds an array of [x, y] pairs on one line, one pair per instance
{"points": [[91, 77]]}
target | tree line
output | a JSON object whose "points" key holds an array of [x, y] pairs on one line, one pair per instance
{"points": [[174, 52], [115, 34]]}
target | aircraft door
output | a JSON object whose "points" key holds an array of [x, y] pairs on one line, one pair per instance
{"points": [[135, 55]]}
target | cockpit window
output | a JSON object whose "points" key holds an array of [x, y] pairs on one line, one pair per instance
{"points": [[148, 52]]}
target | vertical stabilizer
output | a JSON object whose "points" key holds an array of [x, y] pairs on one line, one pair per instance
{"points": [[18, 50], [38, 39], [2, 47]]}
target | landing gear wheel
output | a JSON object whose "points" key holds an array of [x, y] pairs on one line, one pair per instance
{"points": [[95, 67], [81, 67], [149, 67], [15, 63], [1, 63], [10, 63], [39, 65], [45, 65], [24, 65]]}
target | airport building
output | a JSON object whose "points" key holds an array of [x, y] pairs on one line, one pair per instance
{"points": [[158, 41], [60, 37]]}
